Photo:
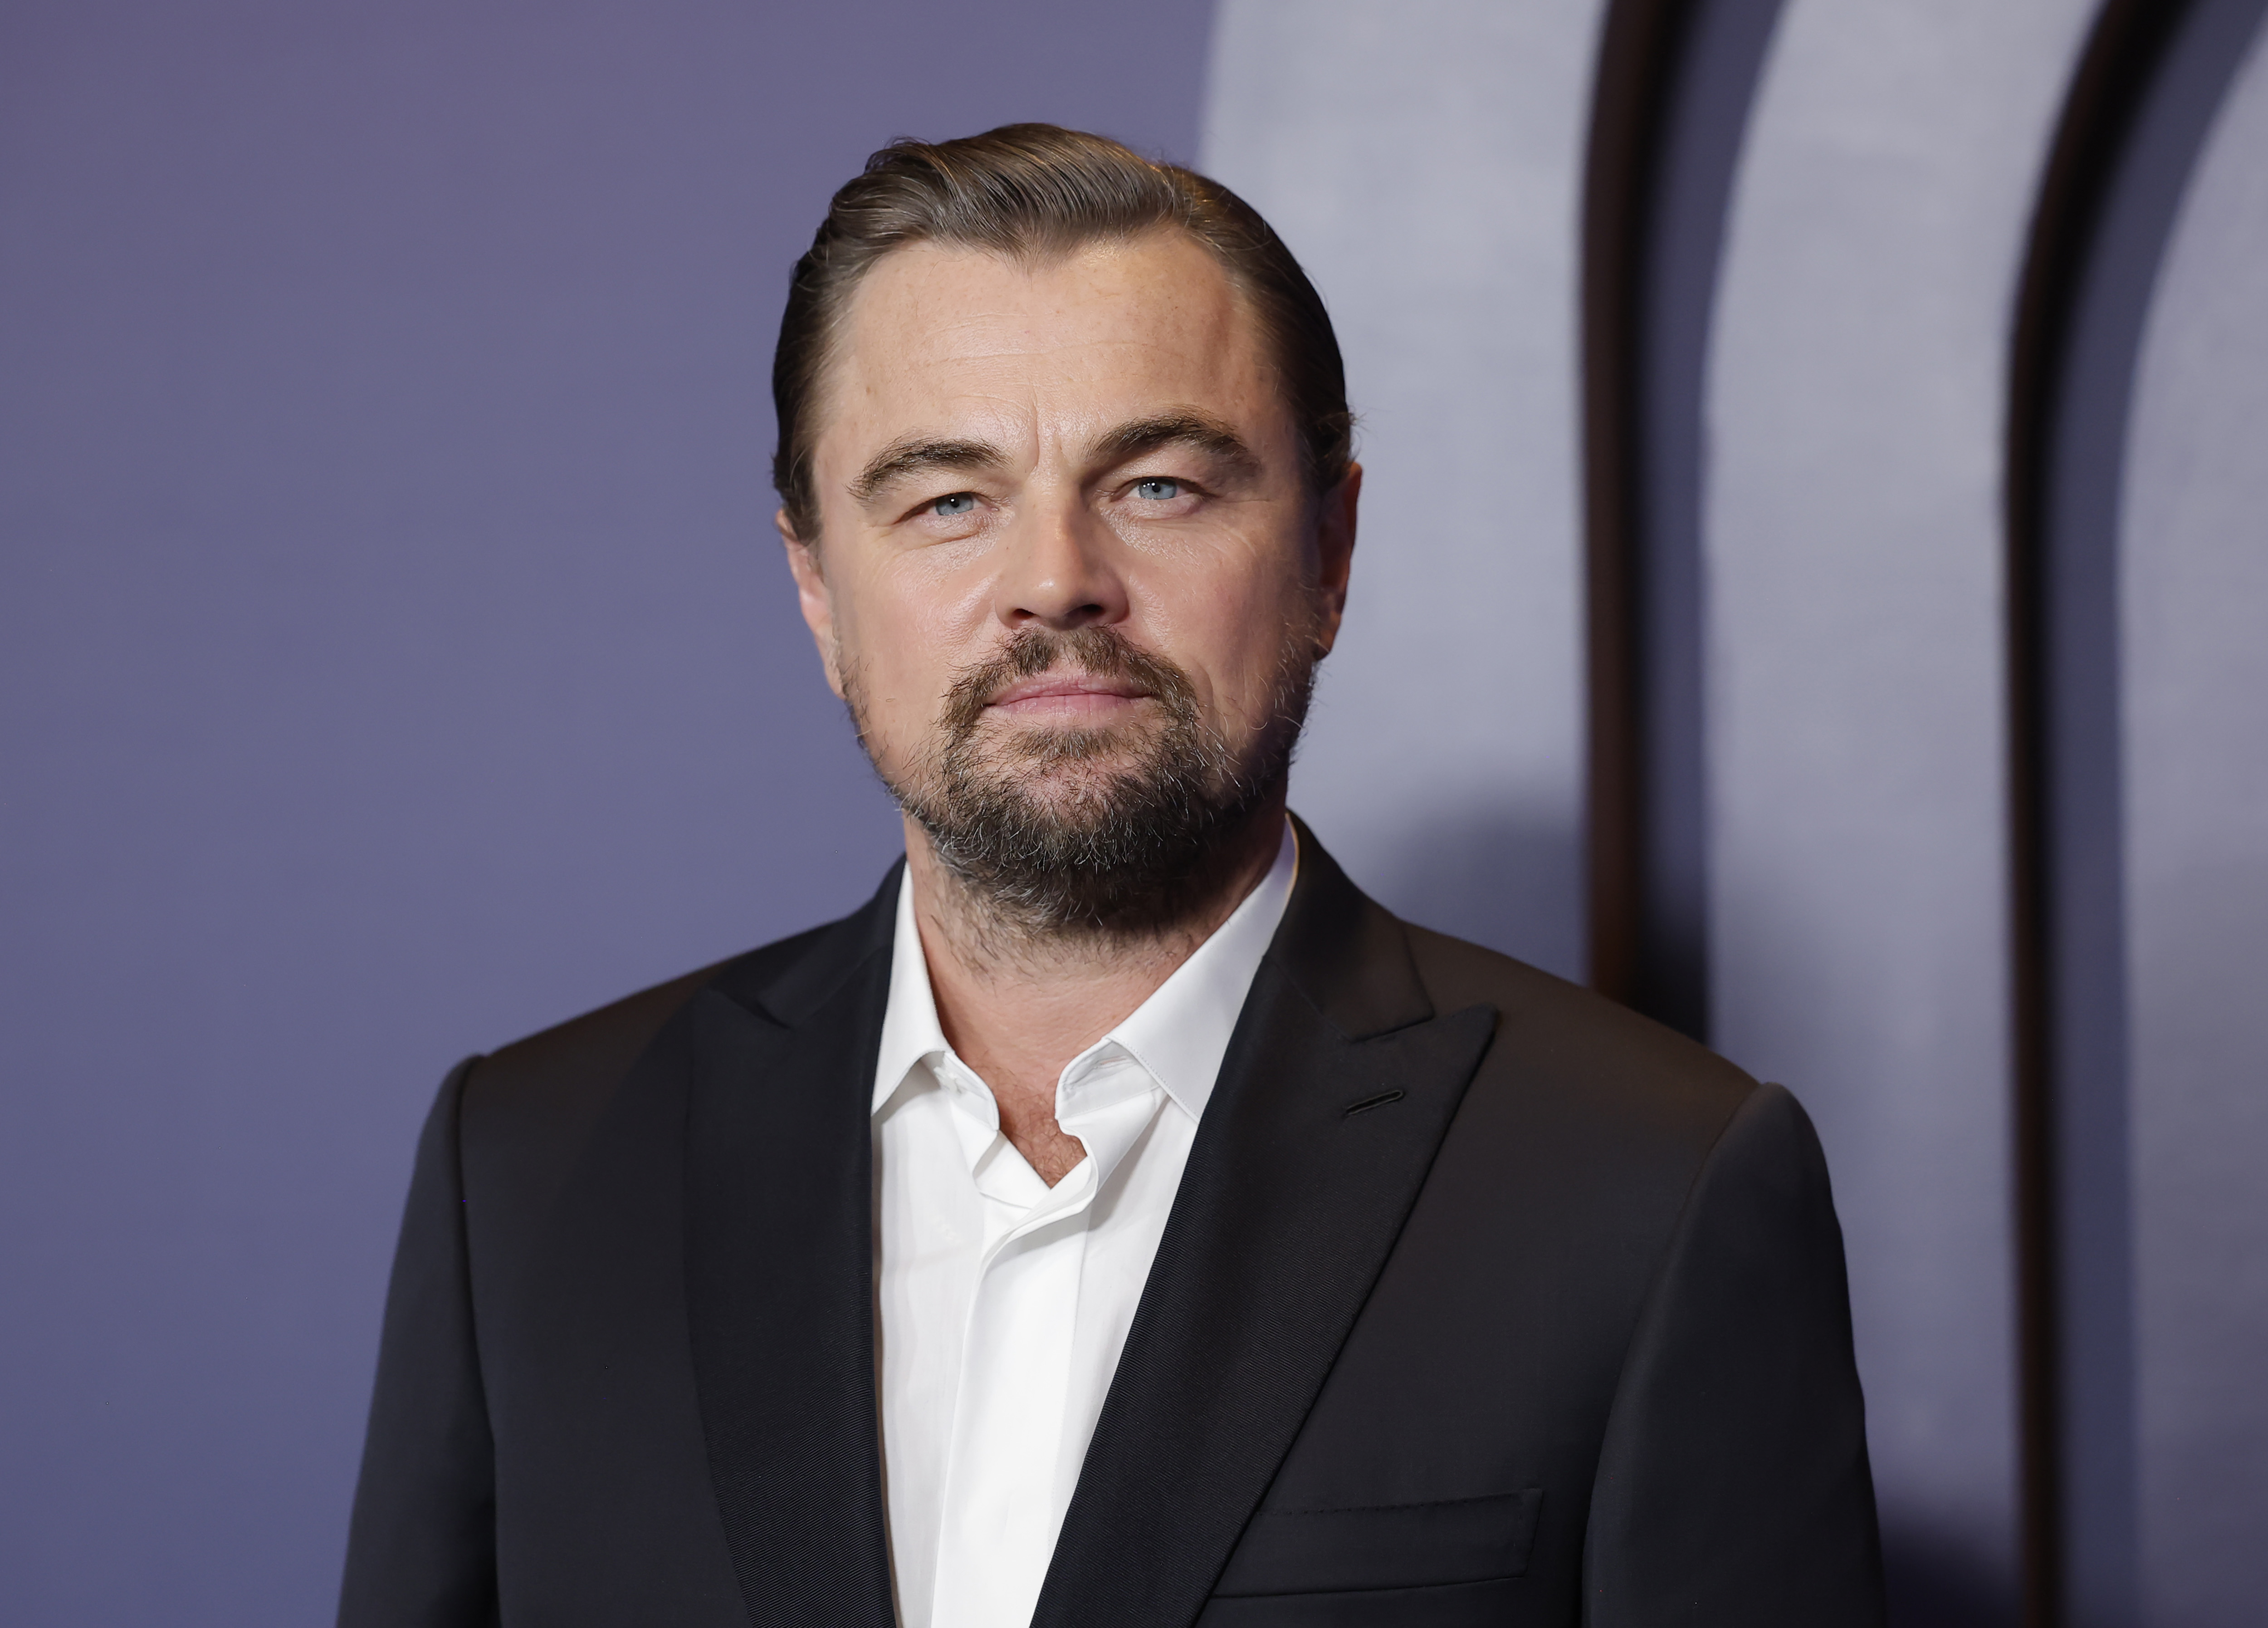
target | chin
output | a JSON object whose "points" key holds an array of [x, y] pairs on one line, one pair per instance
{"points": [[1037, 757], [1045, 741], [1071, 786]]}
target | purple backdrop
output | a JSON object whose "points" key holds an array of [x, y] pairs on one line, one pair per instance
{"points": [[394, 657]]}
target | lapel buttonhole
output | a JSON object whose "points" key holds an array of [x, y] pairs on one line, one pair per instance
{"points": [[1367, 1103]]}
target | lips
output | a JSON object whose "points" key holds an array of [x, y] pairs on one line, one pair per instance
{"points": [[1087, 680], [1069, 692]]}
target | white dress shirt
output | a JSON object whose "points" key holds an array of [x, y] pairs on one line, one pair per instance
{"points": [[1005, 1302]]}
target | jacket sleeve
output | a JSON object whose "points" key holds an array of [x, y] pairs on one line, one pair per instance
{"points": [[1733, 1485], [421, 1550]]}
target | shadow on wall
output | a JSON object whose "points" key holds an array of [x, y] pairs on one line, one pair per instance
{"points": [[1937, 1580], [1506, 878]]}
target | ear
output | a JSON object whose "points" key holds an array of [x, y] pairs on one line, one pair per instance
{"points": [[813, 598], [1335, 527]]}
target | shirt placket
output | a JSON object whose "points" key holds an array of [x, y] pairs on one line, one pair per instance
{"points": [[997, 1529], [999, 1518]]}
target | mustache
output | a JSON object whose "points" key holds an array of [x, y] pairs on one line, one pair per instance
{"points": [[1098, 652]]}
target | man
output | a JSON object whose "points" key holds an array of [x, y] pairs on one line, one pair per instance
{"points": [[1120, 1220]]}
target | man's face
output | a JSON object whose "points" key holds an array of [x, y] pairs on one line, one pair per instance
{"points": [[1069, 578]]}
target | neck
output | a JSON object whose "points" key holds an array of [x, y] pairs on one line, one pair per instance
{"points": [[1018, 1005]]}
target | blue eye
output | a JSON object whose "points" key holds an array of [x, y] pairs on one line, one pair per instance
{"points": [[960, 503], [1158, 489]]}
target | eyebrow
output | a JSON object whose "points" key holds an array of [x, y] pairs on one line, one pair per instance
{"points": [[900, 458], [1185, 428]]}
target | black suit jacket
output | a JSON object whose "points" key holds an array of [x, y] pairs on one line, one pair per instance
{"points": [[1482, 1301]]}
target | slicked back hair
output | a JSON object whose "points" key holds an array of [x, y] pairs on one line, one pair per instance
{"points": [[1032, 193]]}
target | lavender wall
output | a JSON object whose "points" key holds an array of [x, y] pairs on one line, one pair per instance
{"points": [[1425, 163], [2193, 585], [1857, 758], [392, 657]]}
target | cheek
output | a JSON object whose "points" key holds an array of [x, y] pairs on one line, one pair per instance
{"points": [[907, 631], [1226, 629]]}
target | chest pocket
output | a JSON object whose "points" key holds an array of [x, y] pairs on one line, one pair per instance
{"points": [[1460, 1540]]}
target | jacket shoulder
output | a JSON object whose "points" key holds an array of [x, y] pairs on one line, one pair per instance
{"points": [[1581, 1060], [553, 1085]]}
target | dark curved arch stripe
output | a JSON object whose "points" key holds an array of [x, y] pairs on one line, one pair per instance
{"points": [[2134, 122], [1675, 83]]}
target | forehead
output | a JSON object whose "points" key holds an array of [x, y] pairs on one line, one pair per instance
{"points": [[938, 336]]}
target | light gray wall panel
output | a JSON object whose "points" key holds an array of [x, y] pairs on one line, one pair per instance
{"points": [[1424, 161], [2194, 605], [1856, 778]]}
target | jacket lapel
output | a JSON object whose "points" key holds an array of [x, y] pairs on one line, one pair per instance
{"points": [[1334, 1096], [779, 1262]]}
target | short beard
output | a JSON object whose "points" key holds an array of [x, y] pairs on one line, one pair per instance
{"points": [[1045, 849]]}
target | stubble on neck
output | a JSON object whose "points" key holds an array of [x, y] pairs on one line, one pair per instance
{"points": [[999, 945], [1016, 1005]]}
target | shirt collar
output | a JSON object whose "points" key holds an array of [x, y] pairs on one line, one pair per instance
{"points": [[1179, 1035], [910, 1031]]}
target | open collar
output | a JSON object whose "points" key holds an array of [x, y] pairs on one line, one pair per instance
{"points": [[1179, 1035]]}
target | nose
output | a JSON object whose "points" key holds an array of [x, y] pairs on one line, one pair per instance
{"points": [[1059, 570]]}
